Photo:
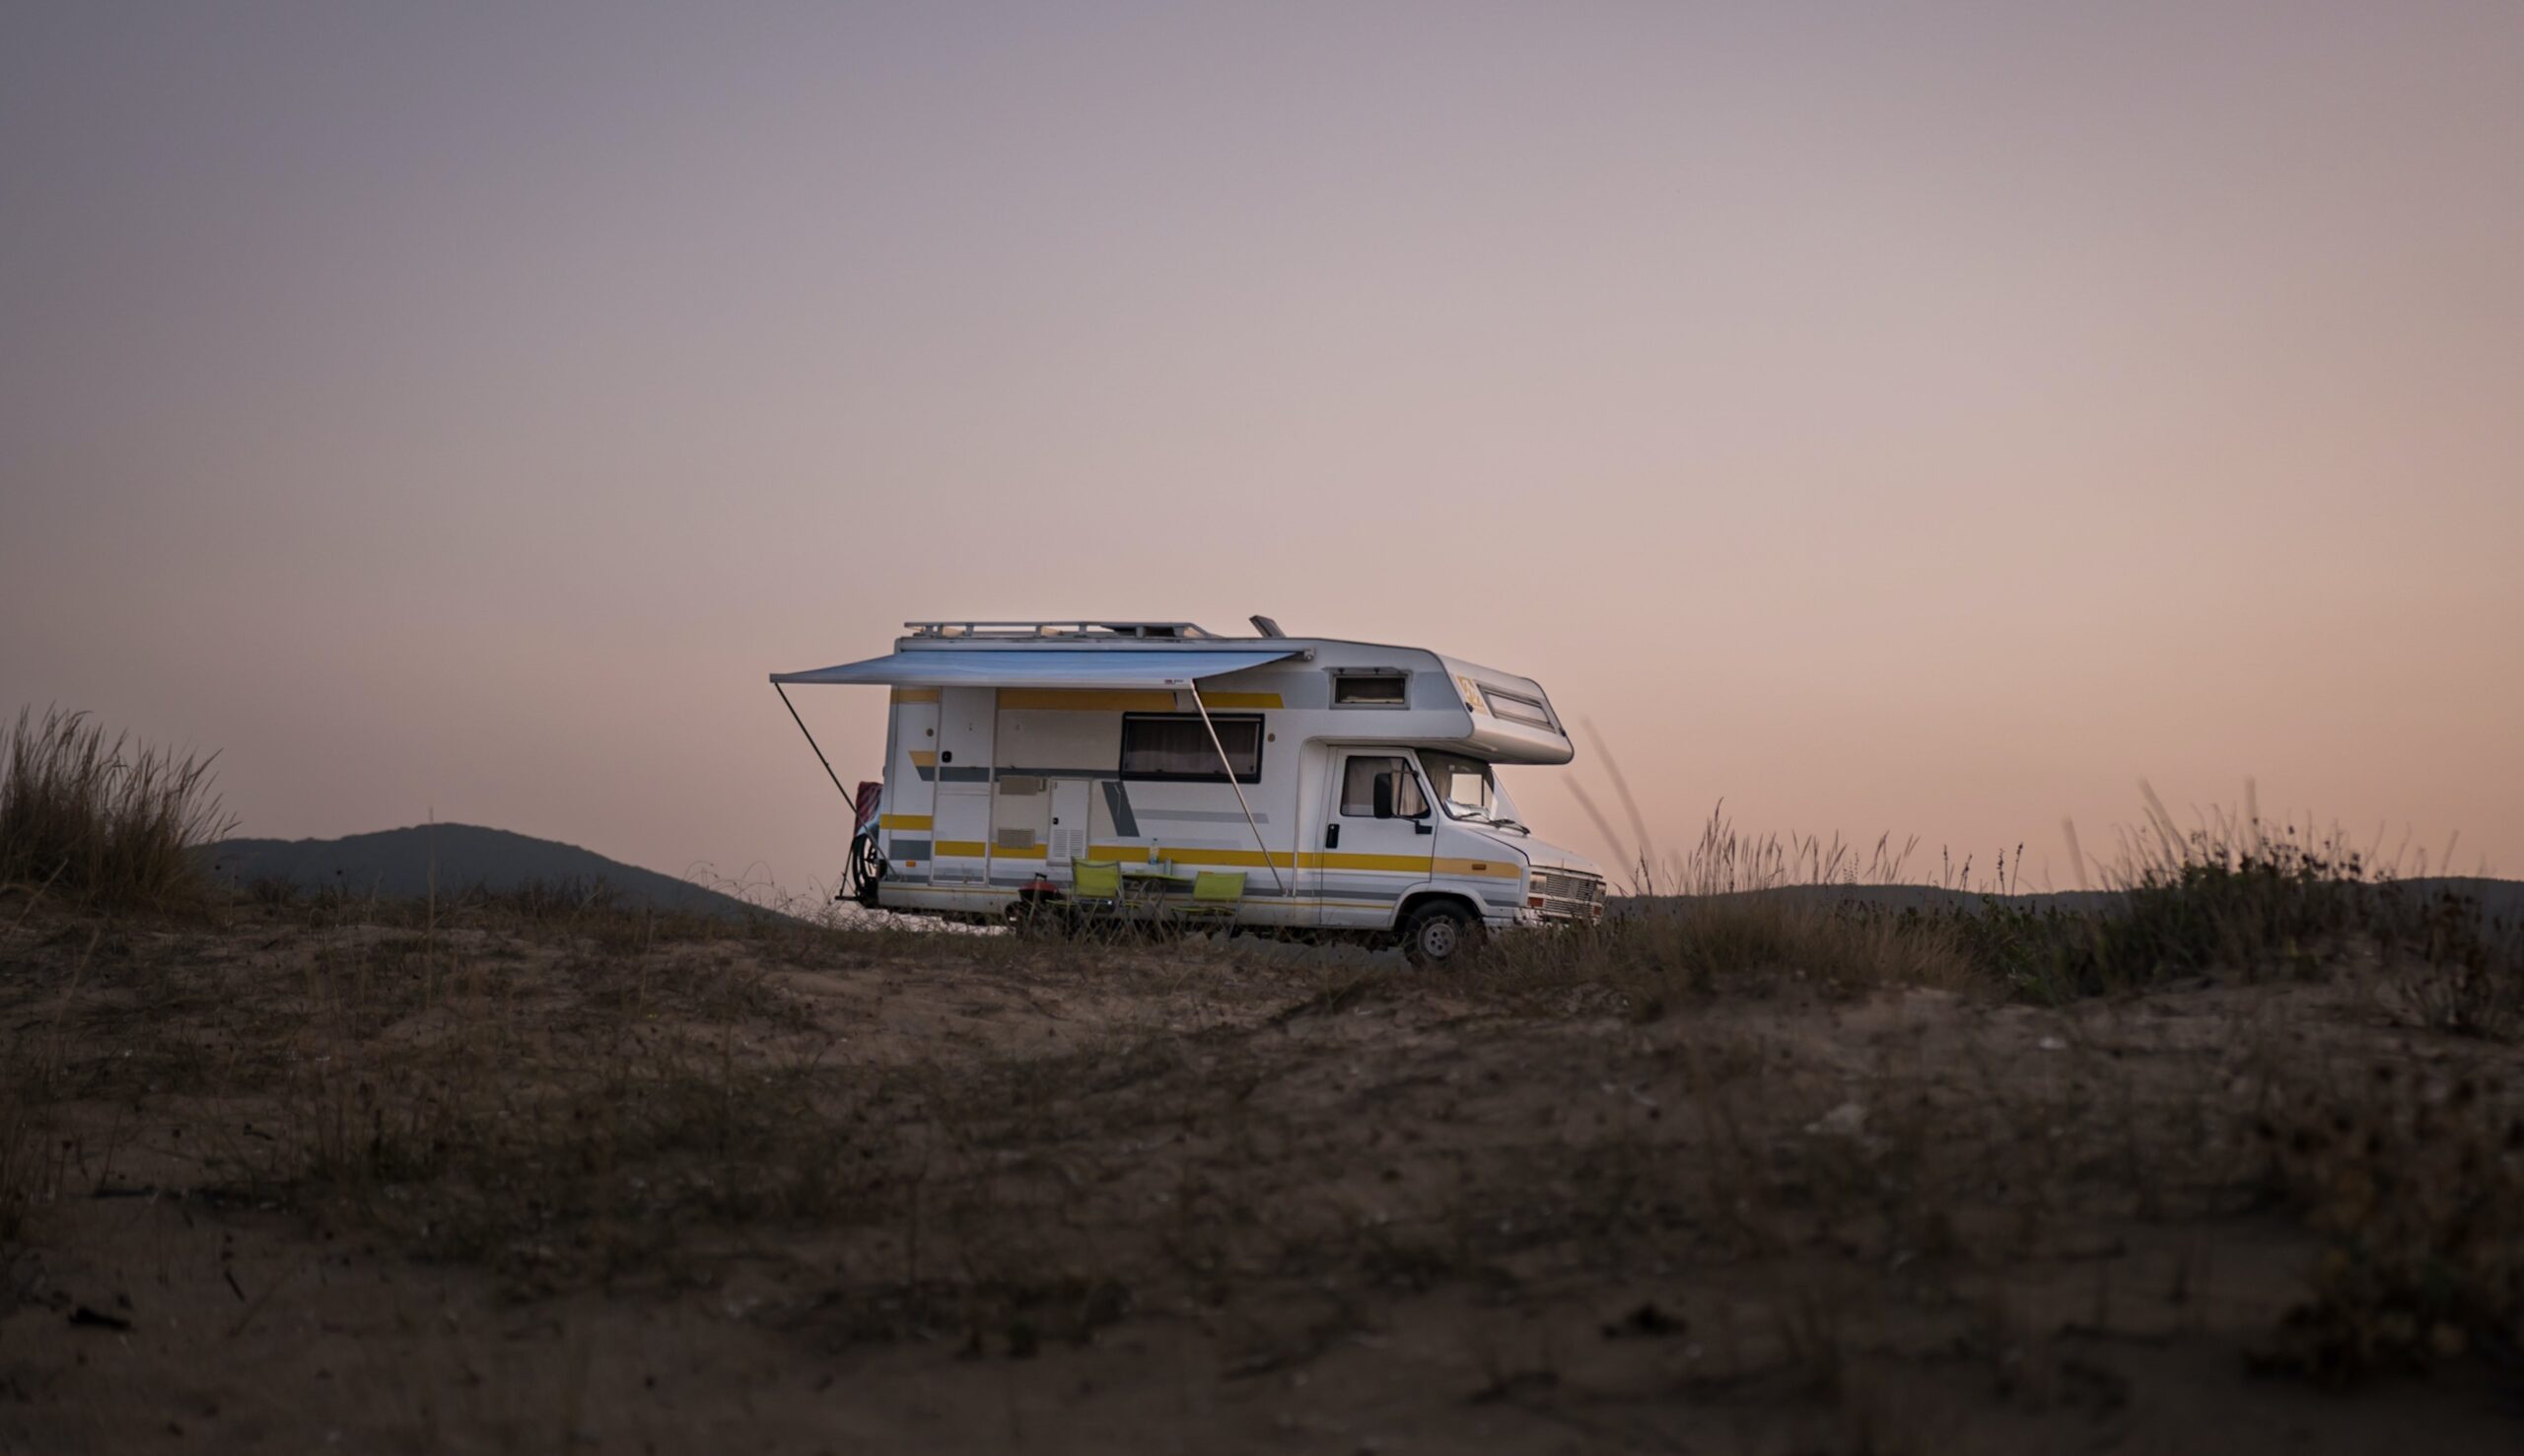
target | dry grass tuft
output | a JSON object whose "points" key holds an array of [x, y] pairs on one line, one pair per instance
{"points": [[2458, 969], [1742, 905], [106, 820]]}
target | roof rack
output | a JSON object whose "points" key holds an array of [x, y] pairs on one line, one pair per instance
{"points": [[1160, 630]]}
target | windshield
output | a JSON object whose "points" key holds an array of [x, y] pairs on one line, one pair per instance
{"points": [[1467, 786]]}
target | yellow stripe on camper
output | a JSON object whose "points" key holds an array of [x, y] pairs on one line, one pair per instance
{"points": [[1086, 699], [1018, 852], [924, 758], [1240, 700], [959, 849], [1403, 863], [902, 821], [1315, 860], [1482, 868], [915, 695]]}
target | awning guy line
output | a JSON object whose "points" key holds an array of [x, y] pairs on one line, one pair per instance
{"points": [[1223, 762], [812, 743]]}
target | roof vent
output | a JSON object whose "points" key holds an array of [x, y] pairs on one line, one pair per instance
{"points": [[1267, 627]]}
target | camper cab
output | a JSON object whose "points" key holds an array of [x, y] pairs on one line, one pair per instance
{"points": [[1350, 782]]}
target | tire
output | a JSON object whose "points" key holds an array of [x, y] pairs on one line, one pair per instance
{"points": [[1439, 933]]}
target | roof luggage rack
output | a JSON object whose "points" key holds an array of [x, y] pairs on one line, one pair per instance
{"points": [[1159, 631]]}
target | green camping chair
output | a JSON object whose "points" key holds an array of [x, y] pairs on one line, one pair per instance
{"points": [[1095, 888], [1216, 897]]}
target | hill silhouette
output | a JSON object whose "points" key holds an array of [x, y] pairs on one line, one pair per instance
{"points": [[404, 864]]}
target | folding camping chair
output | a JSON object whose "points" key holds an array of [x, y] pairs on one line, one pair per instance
{"points": [[1216, 897], [1095, 889]]}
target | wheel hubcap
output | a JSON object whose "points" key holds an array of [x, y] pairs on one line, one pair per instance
{"points": [[1438, 938]]}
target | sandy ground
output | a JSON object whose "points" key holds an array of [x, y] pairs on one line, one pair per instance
{"points": [[306, 1185]]}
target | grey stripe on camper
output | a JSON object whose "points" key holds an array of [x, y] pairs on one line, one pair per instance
{"points": [[907, 849], [1204, 816], [1006, 770]]}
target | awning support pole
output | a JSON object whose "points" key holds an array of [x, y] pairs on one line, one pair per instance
{"points": [[1223, 762], [812, 743]]}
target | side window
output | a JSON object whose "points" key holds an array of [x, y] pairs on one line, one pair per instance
{"points": [[1179, 746], [1516, 708], [1359, 789], [1371, 689]]}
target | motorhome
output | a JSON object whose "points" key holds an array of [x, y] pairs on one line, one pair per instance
{"points": [[1350, 785]]}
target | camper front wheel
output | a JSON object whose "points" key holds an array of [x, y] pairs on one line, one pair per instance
{"points": [[1438, 932]]}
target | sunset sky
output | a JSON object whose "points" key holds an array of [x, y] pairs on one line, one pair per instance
{"points": [[1931, 418]]}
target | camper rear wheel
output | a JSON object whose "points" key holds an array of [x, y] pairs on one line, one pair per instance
{"points": [[1439, 933]]}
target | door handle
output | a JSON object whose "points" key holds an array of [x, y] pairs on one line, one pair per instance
{"points": [[1332, 837]]}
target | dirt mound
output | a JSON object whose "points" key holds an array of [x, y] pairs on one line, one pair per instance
{"points": [[295, 1182]]}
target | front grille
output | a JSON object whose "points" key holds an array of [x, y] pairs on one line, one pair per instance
{"points": [[1567, 896]]}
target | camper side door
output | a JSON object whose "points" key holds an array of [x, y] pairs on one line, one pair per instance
{"points": [[1378, 837], [911, 785]]}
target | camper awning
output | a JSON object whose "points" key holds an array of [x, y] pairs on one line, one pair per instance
{"points": [[1039, 667]]}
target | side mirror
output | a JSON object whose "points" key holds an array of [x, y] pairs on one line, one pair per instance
{"points": [[1381, 795]]}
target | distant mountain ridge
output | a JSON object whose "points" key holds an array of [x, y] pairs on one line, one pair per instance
{"points": [[404, 864]]}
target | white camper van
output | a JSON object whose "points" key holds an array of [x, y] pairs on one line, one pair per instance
{"points": [[1348, 784]]}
